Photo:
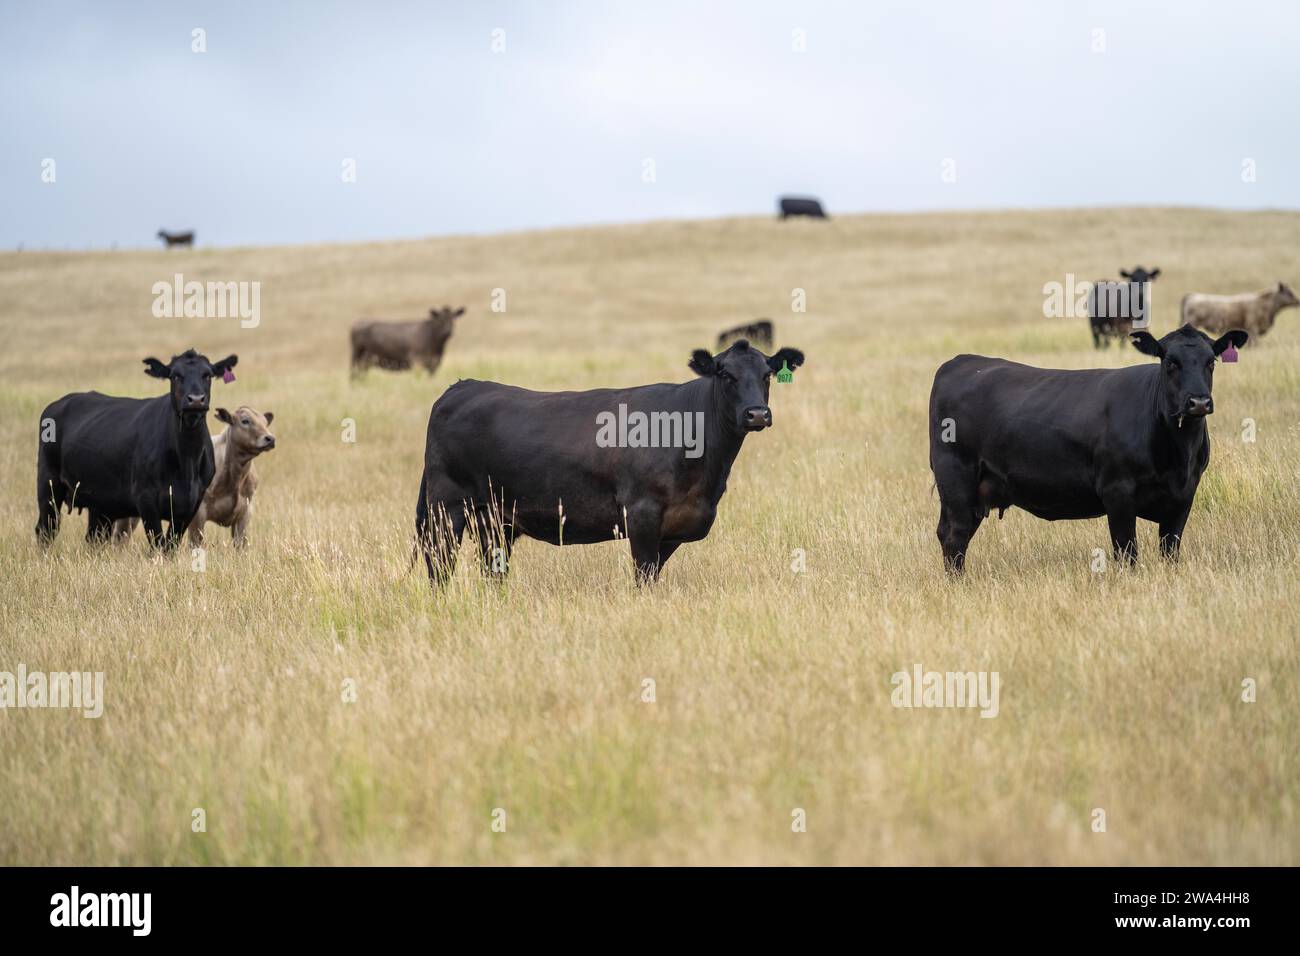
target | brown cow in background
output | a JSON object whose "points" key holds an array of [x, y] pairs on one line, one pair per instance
{"points": [[399, 345], [1253, 311]]}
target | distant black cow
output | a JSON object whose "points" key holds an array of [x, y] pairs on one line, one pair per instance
{"points": [[1112, 306], [1126, 443], [176, 238], [149, 458], [800, 206], [649, 463], [757, 333]]}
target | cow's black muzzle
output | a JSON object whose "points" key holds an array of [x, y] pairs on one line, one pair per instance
{"points": [[757, 417]]}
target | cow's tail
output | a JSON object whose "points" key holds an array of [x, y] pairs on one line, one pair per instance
{"points": [[421, 539]]}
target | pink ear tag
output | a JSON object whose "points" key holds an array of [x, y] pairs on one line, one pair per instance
{"points": [[1229, 354], [228, 376]]}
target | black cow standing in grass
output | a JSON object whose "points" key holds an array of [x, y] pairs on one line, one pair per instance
{"points": [[149, 458], [1126, 443], [1113, 307], [789, 206], [648, 463], [176, 238]]}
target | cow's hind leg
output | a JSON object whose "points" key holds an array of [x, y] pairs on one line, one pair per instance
{"points": [[960, 510], [50, 495], [99, 527]]}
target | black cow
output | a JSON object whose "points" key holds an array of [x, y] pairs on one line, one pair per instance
{"points": [[801, 206], [761, 333], [149, 458], [1113, 306], [1126, 443], [176, 238], [546, 464]]}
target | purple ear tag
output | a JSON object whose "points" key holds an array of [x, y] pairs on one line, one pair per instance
{"points": [[228, 376], [1229, 354]]}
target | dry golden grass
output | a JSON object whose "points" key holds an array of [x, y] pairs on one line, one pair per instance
{"points": [[1119, 690]]}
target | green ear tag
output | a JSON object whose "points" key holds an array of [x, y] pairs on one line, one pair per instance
{"points": [[785, 375]]}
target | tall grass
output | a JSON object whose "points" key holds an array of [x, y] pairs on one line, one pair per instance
{"points": [[226, 689]]}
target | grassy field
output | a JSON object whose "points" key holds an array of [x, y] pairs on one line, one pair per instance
{"points": [[224, 689]]}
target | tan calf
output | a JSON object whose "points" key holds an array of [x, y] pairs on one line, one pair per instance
{"points": [[229, 498], [1253, 311]]}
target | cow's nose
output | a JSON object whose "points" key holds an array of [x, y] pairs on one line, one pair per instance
{"points": [[196, 401], [758, 417], [269, 441], [1200, 405]]}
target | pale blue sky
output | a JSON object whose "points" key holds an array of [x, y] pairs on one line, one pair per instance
{"points": [[245, 143]]}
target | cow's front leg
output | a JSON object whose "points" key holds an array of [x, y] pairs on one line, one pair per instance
{"points": [[644, 522], [1171, 534], [1122, 519]]}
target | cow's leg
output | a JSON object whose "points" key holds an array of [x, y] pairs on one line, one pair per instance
{"points": [[493, 542], [49, 500], [1121, 516], [1171, 534], [960, 511], [197, 526], [99, 527], [438, 531], [666, 549], [644, 524], [123, 527]]}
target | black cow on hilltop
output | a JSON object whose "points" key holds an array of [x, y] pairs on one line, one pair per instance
{"points": [[800, 206], [176, 238], [149, 458], [649, 463], [1126, 443]]}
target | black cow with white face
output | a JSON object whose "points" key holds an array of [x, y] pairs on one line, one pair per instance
{"points": [[648, 464], [1126, 443], [116, 458]]}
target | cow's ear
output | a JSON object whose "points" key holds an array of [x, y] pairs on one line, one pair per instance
{"points": [[1236, 338], [793, 356], [702, 363], [1148, 344], [156, 368], [225, 365], [269, 416], [1125, 274], [225, 416], [458, 313], [1153, 273]]}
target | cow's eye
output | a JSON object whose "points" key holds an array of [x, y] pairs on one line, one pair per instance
{"points": [[726, 376], [245, 422]]}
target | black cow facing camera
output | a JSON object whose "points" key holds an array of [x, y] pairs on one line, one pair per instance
{"points": [[649, 464], [146, 458], [1126, 443]]}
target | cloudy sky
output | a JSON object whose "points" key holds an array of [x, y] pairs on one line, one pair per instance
{"points": [[1035, 103]]}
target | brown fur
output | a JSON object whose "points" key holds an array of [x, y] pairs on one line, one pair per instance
{"points": [[229, 498], [399, 345], [1253, 311]]}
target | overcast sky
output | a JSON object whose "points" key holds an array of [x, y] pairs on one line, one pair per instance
{"points": [[1036, 103]]}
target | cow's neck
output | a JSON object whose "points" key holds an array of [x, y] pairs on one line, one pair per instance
{"points": [[192, 441], [1181, 441], [721, 442]]}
